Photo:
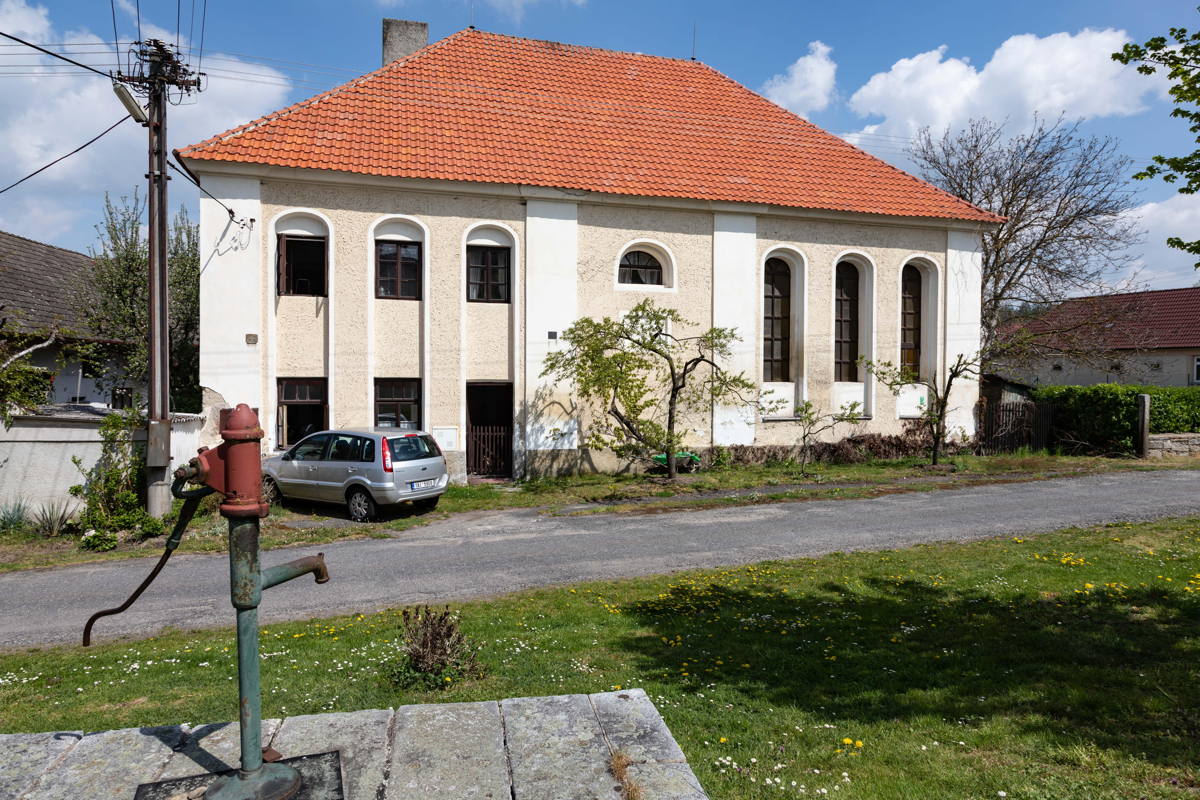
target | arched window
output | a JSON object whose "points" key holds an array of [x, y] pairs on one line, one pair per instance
{"points": [[639, 267], [398, 260], [777, 321], [489, 266], [846, 317], [301, 256], [910, 320]]}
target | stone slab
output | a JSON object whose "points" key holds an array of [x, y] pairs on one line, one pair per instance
{"points": [[212, 748], [361, 737], [109, 765], [666, 781], [25, 756], [633, 726], [556, 749], [320, 775], [451, 751]]}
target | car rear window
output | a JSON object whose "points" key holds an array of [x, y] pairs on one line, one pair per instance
{"points": [[413, 447]]}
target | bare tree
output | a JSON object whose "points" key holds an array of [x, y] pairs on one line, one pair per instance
{"points": [[1066, 199], [812, 423], [937, 400]]}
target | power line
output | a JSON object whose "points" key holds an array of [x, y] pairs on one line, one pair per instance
{"points": [[203, 27], [68, 155], [56, 55], [187, 174]]}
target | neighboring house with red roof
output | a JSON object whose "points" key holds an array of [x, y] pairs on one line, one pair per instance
{"points": [[1135, 337], [423, 234]]}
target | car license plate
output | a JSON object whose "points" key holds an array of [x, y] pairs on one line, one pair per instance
{"points": [[429, 484]]}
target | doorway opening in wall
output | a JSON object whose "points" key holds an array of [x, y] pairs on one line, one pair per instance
{"points": [[489, 429], [303, 409]]}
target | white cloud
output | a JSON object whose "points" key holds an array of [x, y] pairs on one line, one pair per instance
{"points": [[44, 116], [1159, 266], [808, 84], [511, 8], [1063, 73]]}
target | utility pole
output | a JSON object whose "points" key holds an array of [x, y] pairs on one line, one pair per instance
{"points": [[157, 71]]}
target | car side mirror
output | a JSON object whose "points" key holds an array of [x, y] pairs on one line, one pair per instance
{"points": [[286, 456]]}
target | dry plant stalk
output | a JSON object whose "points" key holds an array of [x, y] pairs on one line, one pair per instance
{"points": [[618, 765]]}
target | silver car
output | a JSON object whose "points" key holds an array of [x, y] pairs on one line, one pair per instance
{"points": [[361, 468]]}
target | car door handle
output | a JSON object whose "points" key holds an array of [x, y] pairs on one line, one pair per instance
{"points": [[352, 469]]}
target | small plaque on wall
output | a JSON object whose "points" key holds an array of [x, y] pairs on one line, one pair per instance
{"points": [[447, 436]]}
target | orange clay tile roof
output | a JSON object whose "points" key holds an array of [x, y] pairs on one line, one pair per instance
{"points": [[489, 108]]}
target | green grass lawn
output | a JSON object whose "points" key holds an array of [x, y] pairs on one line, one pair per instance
{"points": [[1063, 665]]}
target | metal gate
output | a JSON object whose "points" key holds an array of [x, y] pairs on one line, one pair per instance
{"points": [[489, 450], [1006, 427]]}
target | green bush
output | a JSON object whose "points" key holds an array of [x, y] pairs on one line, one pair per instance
{"points": [[434, 652], [112, 487], [98, 540], [14, 517], [1103, 418]]}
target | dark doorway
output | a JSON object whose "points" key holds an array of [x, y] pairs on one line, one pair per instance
{"points": [[489, 429], [303, 409]]}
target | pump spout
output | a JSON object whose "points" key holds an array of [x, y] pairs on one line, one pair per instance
{"points": [[273, 576]]}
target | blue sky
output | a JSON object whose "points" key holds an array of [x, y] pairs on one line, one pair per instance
{"points": [[872, 71]]}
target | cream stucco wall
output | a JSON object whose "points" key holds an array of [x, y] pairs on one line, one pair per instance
{"points": [[1167, 367], [571, 246]]}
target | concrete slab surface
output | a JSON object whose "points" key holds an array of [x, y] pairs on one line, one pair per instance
{"points": [[527, 748]]}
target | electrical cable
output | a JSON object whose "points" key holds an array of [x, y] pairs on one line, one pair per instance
{"points": [[68, 155], [187, 174], [116, 39], [139, 19], [56, 55], [203, 26]]}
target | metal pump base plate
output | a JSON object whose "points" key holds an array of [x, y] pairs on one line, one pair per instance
{"points": [[321, 776]]}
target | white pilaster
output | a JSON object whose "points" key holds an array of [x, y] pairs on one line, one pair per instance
{"points": [[736, 287], [551, 305], [964, 271], [231, 291]]}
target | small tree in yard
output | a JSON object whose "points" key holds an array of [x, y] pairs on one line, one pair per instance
{"points": [[642, 378], [937, 405], [812, 424]]}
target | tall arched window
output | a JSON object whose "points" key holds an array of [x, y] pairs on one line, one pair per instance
{"points": [[846, 317], [910, 320], [301, 256], [777, 321]]}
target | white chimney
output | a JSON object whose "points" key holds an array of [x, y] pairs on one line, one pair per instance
{"points": [[402, 37]]}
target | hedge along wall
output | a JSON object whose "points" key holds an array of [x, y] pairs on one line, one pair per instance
{"points": [[1103, 418]]}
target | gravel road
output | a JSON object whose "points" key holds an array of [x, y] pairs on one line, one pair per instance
{"points": [[488, 553]]}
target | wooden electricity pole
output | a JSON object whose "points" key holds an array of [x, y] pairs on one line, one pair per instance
{"points": [[158, 72]]}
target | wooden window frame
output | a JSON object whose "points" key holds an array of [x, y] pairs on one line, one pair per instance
{"points": [[627, 270], [911, 318], [488, 274], [777, 322], [384, 403], [284, 279], [408, 271], [280, 401], [847, 319]]}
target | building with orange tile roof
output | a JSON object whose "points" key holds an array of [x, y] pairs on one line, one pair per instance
{"points": [[424, 233]]}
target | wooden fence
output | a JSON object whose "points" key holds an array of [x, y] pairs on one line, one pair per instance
{"points": [[1006, 427]]}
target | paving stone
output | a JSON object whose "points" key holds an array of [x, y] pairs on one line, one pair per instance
{"points": [[109, 764], [666, 781], [633, 726], [212, 748], [453, 751], [557, 749], [360, 736], [25, 756]]}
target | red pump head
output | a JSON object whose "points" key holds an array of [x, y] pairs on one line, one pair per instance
{"points": [[235, 467]]}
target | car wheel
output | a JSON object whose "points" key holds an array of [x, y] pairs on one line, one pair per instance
{"points": [[361, 505], [270, 492], [428, 504]]}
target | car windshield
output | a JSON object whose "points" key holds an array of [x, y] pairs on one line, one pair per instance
{"points": [[413, 447]]}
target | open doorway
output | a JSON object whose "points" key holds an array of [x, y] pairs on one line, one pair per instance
{"points": [[489, 429]]}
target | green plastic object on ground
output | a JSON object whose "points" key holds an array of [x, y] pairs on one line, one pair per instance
{"points": [[684, 461]]}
